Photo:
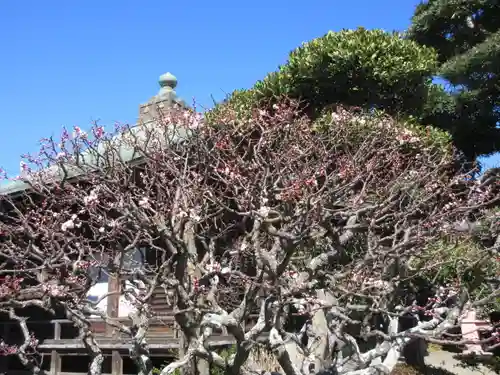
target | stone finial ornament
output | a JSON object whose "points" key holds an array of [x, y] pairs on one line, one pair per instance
{"points": [[168, 82]]}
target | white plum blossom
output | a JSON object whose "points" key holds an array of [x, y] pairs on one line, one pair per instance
{"points": [[213, 267], [244, 245], [144, 202], [264, 211], [23, 167], [215, 280], [193, 215], [54, 290], [407, 136], [413, 173], [376, 283], [92, 198], [469, 22], [193, 120], [303, 305], [431, 187], [79, 133], [70, 224], [60, 155], [335, 116], [449, 206]]}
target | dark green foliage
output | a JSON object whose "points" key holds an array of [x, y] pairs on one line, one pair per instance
{"points": [[374, 69], [242, 101], [471, 123], [370, 69], [444, 25], [364, 68], [466, 36]]}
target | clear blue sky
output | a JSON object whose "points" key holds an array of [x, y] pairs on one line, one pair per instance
{"points": [[71, 62]]}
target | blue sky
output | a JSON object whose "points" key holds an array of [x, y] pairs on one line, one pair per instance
{"points": [[72, 62]]}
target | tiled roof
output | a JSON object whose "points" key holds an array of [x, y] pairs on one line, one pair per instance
{"points": [[166, 97]]}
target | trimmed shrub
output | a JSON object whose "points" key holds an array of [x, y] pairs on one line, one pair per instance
{"points": [[365, 68]]}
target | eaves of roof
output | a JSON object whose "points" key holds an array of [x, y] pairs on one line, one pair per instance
{"points": [[90, 159]]}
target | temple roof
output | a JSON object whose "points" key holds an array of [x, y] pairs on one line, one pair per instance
{"points": [[166, 95], [148, 114]]}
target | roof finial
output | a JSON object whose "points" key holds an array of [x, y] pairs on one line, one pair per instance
{"points": [[168, 81]]}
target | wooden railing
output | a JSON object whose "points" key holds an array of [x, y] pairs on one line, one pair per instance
{"points": [[59, 337], [160, 327]]}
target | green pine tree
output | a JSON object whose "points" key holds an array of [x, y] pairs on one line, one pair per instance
{"points": [[466, 36]]}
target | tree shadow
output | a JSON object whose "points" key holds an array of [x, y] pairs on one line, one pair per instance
{"points": [[474, 361], [404, 369]]}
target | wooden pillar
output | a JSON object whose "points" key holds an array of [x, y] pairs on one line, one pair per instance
{"points": [[116, 363], [112, 311], [113, 301], [55, 357], [181, 339]]}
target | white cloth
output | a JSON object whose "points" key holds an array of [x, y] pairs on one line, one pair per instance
{"points": [[100, 289]]}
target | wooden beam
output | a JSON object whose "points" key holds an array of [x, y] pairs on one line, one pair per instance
{"points": [[57, 330], [116, 363], [112, 311], [108, 343], [77, 344], [55, 357], [113, 301], [159, 319], [181, 338], [55, 363]]}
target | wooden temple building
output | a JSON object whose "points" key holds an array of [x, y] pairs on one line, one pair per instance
{"points": [[59, 350]]}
